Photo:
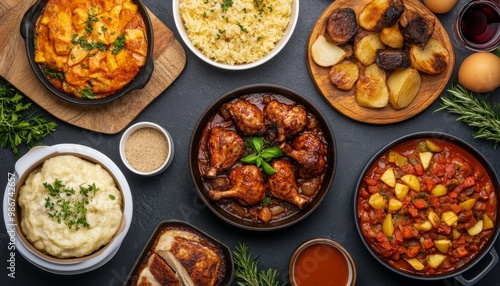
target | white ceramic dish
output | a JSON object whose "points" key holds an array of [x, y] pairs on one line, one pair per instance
{"points": [[137, 126], [37, 155], [279, 45]]}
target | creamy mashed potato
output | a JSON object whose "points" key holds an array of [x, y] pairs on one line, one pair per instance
{"points": [[104, 210], [237, 31]]}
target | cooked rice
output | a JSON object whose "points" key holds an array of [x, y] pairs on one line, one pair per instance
{"points": [[245, 32]]}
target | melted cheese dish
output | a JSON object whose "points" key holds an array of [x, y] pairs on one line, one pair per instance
{"points": [[90, 48]]}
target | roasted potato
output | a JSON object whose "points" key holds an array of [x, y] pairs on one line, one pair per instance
{"points": [[433, 58], [365, 48], [403, 87], [378, 14], [342, 26], [371, 88], [392, 37], [325, 53], [416, 28], [344, 75]]}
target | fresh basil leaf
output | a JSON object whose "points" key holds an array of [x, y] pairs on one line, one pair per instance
{"points": [[257, 144], [259, 161], [250, 159], [268, 169], [275, 152]]}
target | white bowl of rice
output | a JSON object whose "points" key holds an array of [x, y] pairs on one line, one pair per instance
{"points": [[235, 34]]}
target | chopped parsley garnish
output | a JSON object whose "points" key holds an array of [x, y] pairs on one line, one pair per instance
{"points": [[54, 74], [87, 93], [243, 29], [119, 44], [63, 206], [226, 4]]}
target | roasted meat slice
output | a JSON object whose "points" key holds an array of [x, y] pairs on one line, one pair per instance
{"points": [[199, 259], [157, 272], [225, 147], [247, 186], [283, 186], [248, 118], [308, 150], [389, 59], [288, 119], [341, 26], [416, 28]]}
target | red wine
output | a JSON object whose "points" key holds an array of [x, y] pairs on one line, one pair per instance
{"points": [[479, 25]]}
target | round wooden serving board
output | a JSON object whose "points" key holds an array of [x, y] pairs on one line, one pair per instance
{"points": [[344, 101]]}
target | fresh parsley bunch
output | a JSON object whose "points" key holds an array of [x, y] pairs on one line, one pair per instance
{"points": [[17, 125]]}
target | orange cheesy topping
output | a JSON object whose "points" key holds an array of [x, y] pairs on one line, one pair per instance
{"points": [[90, 48]]}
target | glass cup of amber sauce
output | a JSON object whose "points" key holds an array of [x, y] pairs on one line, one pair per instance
{"points": [[321, 261], [477, 25]]}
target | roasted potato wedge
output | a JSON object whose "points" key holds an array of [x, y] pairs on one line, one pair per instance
{"points": [[392, 37], [403, 87], [341, 26], [365, 48], [344, 75], [325, 53], [433, 58], [371, 88], [378, 14]]}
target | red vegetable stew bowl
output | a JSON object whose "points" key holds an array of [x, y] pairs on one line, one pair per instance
{"points": [[426, 207]]}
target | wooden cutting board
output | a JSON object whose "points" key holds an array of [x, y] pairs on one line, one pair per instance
{"points": [[110, 118], [344, 101]]}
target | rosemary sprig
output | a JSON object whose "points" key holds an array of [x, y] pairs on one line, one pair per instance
{"points": [[247, 269], [475, 111]]}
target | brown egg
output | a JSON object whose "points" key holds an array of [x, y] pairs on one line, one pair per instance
{"points": [[440, 6], [480, 72]]}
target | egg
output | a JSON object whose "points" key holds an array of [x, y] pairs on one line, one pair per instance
{"points": [[440, 6], [480, 72]]}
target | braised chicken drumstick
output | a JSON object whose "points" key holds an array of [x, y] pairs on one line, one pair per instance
{"points": [[282, 185], [308, 150], [247, 186], [225, 147], [288, 119], [247, 117]]}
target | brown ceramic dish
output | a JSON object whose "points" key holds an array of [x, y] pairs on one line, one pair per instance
{"points": [[28, 33], [485, 249], [228, 262], [215, 206]]}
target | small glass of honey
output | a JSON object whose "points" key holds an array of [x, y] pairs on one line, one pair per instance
{"points": [[322, 261], [477, 25]]}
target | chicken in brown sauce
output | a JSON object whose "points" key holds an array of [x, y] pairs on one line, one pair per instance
{"points": [[226, 147], [247, 189]]}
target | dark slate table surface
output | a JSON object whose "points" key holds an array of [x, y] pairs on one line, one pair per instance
{"points": [[172, 195]]}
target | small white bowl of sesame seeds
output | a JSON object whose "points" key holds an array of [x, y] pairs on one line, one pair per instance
{"points": [[146, 148]]}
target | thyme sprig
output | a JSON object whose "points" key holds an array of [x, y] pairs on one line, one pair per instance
{"points": [[474, 110], [247, 269]]}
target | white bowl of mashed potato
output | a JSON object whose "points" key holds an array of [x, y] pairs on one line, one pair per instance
{"points": [[235, 35], [69, 208]]}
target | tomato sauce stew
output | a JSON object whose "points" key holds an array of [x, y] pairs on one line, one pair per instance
{"points": [[427, 207]]}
